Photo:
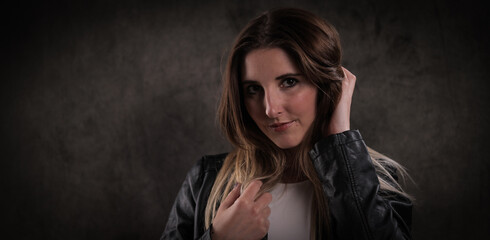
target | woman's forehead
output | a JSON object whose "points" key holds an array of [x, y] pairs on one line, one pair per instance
{"points": [[267, 63]]}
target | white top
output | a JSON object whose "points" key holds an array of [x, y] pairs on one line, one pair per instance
{"points": [[290, 211]]}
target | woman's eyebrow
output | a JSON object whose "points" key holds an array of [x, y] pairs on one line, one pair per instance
{"points": [[283, 76], [288, 75], [248, 81]]}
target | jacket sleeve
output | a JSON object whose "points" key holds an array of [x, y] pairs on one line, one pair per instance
{"points": [[184, 221], [357, 210]]}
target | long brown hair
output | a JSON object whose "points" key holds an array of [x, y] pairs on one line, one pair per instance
{"points": [[314, 46]]}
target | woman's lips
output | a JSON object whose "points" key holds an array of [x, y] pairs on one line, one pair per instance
{"points": [[280, 127]]}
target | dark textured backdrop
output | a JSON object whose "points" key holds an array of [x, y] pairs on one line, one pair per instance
{"points": [[106, 105]]}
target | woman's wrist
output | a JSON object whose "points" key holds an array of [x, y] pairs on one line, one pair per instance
{"points": [[338, 127]]}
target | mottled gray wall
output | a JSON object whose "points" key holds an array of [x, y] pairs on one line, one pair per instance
{"points": [[105, 106]]}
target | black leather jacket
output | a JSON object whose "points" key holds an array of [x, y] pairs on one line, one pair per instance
{"points": [[357, 210]]}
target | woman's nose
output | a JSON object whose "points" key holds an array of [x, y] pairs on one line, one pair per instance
{"points": [[273, 105]]}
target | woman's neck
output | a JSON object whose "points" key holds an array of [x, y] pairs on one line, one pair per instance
{"points": [[292, 172]]}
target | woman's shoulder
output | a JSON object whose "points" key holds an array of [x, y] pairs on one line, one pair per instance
{"points": [[212, 162], [202, 174], [207, 164]]}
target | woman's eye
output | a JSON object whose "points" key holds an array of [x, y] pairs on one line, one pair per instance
{"points": [[252, 89], [289, 82]]}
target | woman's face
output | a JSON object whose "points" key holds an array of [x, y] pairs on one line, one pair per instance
{"points": [[278, 97]]}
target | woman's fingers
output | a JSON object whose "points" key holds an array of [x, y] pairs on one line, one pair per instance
{"points": [[263, 201], [243, 216], [348, 83], [232, 197], [251, 191], [347, 73]]}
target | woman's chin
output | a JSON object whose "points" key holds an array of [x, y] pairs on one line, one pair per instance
{"points": [[287, 144]]}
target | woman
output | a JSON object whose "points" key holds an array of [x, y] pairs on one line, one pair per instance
{"points": [[297, 171]]}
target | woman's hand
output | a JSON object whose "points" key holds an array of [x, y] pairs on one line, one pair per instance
{"points": [[243, 217], [340, 121]]}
